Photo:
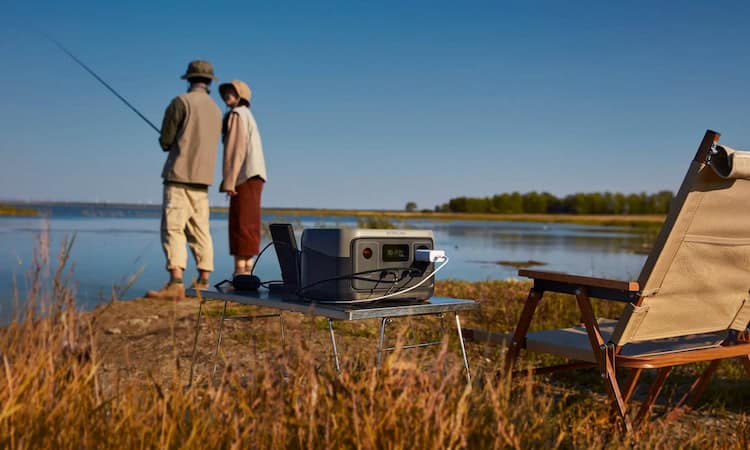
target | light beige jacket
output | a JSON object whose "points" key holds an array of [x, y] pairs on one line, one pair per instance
{"points": [[243, 150]]}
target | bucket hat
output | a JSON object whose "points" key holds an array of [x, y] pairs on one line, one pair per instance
{"points": [[199, 68], [242, 89]]}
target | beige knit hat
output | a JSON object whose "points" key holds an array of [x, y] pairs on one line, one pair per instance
{"points": [[240, 87]]}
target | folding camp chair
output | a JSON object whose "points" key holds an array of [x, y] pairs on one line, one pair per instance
{"points": [[690, 302]]}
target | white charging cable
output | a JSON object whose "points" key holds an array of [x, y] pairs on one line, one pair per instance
{"points": [[443, 258]]}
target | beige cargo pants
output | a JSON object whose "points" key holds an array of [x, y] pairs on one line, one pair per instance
{"points": [[184, 220]]}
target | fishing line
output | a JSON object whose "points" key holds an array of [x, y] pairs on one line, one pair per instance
{"points": [[99, 79]]}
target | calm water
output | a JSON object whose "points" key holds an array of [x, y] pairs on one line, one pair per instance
{"points": [[107, 251]]}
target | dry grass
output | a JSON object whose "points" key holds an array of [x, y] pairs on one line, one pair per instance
{"points": [[54, 392]]}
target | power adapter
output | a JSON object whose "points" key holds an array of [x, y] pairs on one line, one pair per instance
{"points": [[430, 256]]}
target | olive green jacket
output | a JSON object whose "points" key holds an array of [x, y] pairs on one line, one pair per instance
{"points": [[190, 133]]}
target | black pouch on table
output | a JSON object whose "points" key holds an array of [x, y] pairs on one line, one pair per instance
{"points": [[245, 282]]}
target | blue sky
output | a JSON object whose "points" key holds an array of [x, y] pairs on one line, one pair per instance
{"points": [[374, 104]]}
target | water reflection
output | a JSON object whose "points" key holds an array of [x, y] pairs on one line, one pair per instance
{"points": [[109, 250]]}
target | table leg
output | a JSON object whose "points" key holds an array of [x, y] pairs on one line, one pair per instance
{"points": [[195, 342], [218, 341], [333, 344], [381, 340], [281, 323], [463, 348]]}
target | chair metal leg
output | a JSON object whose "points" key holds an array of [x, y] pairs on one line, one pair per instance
{"points": [[333, 344], [218, 341], [195, 342], [463, 349]]}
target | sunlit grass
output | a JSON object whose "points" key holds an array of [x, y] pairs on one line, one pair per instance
{"points": [[54, 392]]}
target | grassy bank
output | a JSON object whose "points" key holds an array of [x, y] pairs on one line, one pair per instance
{"points": [[635, 220], [93, 209], [8, 210], [115, 378]]}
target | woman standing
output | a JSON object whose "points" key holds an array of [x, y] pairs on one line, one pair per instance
{"points": [[244, 175]]}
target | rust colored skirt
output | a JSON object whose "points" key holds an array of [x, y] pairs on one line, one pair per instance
{"points": [[244, 218]]}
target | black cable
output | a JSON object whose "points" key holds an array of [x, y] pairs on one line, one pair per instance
{"points": [[393, 283], [351, 276], [396, 281], [221, 283], [257, 258]]}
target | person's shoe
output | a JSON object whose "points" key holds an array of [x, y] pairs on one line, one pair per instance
{"points": [[201, 284], [170, 291]]}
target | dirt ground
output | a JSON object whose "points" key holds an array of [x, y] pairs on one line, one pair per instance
{"points": [[146, 340]]}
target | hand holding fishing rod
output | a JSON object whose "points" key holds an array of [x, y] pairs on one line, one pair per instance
{"points": [[98, 78]]}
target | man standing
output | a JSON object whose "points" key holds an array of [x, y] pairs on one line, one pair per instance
{"points": [[190, 133]]}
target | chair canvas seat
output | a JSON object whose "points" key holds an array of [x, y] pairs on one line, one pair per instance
{"points": [[573, 343]]}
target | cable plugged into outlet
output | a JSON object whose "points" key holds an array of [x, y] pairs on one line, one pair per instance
{"points": [[426, 255]]}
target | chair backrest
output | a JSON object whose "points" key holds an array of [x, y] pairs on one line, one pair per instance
{"points": [[696, 278]]}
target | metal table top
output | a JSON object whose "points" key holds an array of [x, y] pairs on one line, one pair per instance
{"points": [[264, 297]]}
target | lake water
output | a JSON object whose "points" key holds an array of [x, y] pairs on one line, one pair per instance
{"points": [[109, 250]]}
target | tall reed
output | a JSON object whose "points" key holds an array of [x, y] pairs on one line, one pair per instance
{"points": [[53, 393]]}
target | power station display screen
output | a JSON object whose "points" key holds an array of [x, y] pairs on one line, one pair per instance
{"points": [[395, 252]]}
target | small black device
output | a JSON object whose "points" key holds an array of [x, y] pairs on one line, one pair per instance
{"points": [[244, 282]]}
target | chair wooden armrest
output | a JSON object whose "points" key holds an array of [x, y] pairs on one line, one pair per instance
{"points": [[597, 287]]}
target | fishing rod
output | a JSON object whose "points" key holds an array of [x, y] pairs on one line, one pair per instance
{"points": [[99, 79]]}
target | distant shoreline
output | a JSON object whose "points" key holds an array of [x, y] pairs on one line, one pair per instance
{"points": [[13, 211], [29, 209], [634, 220]]}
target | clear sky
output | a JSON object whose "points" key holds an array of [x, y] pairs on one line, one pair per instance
{"points": [[366, 104]]}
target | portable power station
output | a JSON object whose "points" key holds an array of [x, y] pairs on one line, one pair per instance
{"points": [[343, 264]]}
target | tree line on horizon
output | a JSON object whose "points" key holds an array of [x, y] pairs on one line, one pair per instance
{"points": [[546, 203]]}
